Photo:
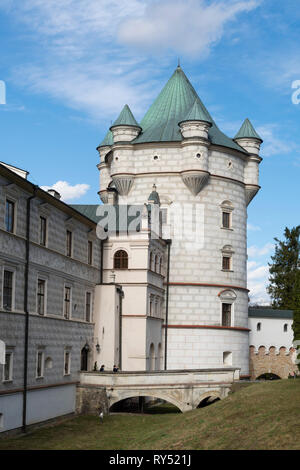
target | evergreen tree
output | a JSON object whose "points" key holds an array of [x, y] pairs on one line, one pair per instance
{"points": [[285, 271], [284, 287]]}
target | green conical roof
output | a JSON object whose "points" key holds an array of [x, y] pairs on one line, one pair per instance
{"points": [[198, 113], [175, 101], [126, 118], [108, 139], [247, 130]]}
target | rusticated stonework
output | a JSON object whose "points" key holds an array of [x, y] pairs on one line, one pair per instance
{"points": [[280, 363]]}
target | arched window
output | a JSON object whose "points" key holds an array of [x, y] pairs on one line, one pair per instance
{"points": [[285, 327], [121, 260], [85, 357], [258, 327]]}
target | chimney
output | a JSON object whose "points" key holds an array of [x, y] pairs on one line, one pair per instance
{"points": [[54, 193]]}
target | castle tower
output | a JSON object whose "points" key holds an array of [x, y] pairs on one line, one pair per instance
{"points": [[203, 179]]}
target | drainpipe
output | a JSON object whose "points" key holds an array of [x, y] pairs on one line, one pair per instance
{"points": [[26, 311], [169, 242], [101, 261], [121, 295]]}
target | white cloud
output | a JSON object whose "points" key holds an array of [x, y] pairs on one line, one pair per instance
{"points": [[273, 145], [85, 54], [254, 251], [67, 191], [191, 27], [258, 275], [253, 228]]}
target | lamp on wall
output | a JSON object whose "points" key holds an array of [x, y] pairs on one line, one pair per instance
{"points": [[98, 347]]}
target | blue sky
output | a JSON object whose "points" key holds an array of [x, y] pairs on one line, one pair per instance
{"points": [[70, 66]]}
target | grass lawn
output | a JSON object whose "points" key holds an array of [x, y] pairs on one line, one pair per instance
{"points": [[260, 416]]}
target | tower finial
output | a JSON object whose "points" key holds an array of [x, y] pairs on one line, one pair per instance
{"points": [[178, 66]]}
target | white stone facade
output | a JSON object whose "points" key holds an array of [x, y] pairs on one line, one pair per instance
{"points": [[196, 337]]}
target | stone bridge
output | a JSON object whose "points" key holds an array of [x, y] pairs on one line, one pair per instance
{"points": [[185, 389]]}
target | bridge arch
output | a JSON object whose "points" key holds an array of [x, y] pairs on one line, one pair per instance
{"points": [[213, 394], [147, 393]]}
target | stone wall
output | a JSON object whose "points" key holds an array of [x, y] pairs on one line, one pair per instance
{"points": [[91, 399], [264, 361]]}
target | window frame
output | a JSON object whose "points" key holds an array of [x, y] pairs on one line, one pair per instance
{"points": [[90, 252], [67, 286], [45, 219], [231, 314], [120, 259], [69, 243], [67, 351], [39, 278], [229, 214], [90, 305], [42, 353], [229, 258], [11, 362], [14, 218], [13, 272]]}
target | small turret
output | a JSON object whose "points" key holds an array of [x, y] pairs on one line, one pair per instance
{"points": [[125, 128], [196, 123], [248, 138], [154, 196]]}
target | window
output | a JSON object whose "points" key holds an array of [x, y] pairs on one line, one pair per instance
{"points": [[88, 306], [10, 216], [226, 220], [90, 252], [226, 211], [40, 364], [67, 363], [41, 297], [121, 260], [258, 327], [226, 263], [151, 262], [151, 306], [226, 314], [8, 367], [67, 302], [156, 263], [43, 231], [285, 327], [8, 290], [69, 243]]}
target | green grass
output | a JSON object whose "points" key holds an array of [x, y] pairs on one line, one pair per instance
{"points": [[260, 416]]}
